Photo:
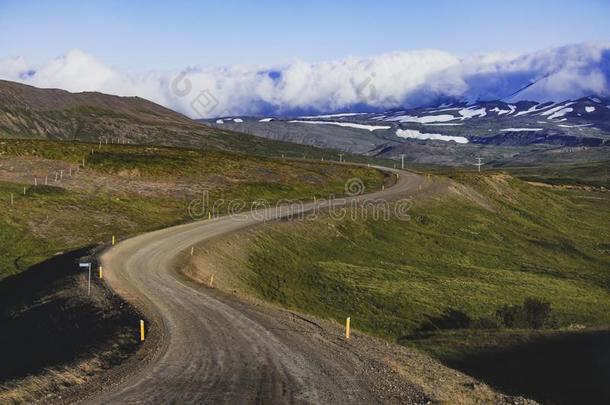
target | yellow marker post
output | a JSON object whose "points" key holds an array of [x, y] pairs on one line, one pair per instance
{"points": [[142, 330], [209, 214], [113, 240], [347, 327], [212, 280], [382, 187], [192, 250], [101, 272], [315, 199]]}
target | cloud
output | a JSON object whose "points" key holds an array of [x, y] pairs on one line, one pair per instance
{"points": [[398, 79]]}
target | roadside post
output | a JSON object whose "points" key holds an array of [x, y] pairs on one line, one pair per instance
{"points": [[347, 327], [142, 336], [87, 265]]}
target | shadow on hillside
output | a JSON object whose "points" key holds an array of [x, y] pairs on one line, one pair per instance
{"points": [[47, 319], [566, 368]]}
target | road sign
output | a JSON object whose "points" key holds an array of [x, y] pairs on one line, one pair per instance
{"points": [[88, 265]]}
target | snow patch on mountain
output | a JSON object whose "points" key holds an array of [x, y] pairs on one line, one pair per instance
{"points": [[472, 112], [520, 129], [560, 113], [343, 124], [574, 126], [425, 119], [331, 115], [415, 134]]}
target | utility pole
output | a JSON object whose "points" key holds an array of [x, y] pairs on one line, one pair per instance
{"points": [[479, 163]]}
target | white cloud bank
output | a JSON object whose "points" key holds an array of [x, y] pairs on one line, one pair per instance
{"points": [[400, 79]]}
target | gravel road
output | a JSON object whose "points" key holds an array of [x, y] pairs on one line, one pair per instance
{"points": [[213, 347]]}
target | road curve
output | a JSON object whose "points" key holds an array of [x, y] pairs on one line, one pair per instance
{"points": [[213, 347]]}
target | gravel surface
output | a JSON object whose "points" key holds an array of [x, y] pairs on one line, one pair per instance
{"points": [[209, 346]]}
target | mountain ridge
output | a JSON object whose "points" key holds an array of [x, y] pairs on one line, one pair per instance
{"points": [[500, 129], [28, 112]]}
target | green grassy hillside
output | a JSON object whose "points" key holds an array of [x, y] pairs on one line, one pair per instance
{"points": [[124, 190], [441, 281]]}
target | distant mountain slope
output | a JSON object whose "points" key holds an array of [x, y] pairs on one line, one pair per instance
{"points": [[30, 112], [454, 129], [27, 111]]}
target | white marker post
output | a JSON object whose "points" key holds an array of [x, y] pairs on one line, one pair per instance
{"points": [[88, 265], [402, 158]]}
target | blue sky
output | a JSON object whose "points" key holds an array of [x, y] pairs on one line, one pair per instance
{"points": [[138, 35]]}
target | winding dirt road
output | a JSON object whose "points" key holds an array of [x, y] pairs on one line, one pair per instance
{"points": [[216, 348]]}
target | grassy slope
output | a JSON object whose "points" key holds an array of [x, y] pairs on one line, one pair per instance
{"points": [[595, 174], [392, 276], [49, 219]]}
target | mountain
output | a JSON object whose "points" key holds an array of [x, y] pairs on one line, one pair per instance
{"points": [[459, 128], [31, 112]]}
